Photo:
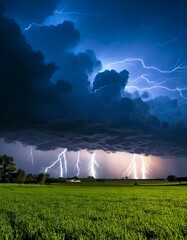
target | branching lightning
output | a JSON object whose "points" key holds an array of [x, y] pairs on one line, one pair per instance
{"points": [[64, 12], [74, 13], [70, 15], [93, 166], [177, 68], [162, 78], [177, 89], [145, 167], [62, 163], [133, 167]]}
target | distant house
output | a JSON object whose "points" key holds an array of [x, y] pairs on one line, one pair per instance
{"points": [[73, 180]]}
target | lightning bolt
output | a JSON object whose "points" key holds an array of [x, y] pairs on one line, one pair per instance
{"points": [[63, 12], [146, 79], [31, 157], [62, 161], [177, 89], [41, 25], [58, 17], [132, 169], [33, 24], [134, 166], [75, 13], [145, 168], [63, 9], [77, 166], [93, 165], [178, 68], [158, 83]]}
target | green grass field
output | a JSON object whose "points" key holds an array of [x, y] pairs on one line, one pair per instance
{"points": [[93, 211]]}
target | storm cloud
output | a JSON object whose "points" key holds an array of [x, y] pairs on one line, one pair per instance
{"points": [[57, 104], [24, 76], [53, 40]]}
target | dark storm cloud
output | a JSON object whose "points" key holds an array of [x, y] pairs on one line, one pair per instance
{"points": [[26, 12], [67, 113], [104, 135], [53, 40], [75, 68], [110, 83], [24, 76], [57, 44], [169, 110]]}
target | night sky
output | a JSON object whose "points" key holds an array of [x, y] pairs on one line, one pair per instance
{"points": [[106, 79]]}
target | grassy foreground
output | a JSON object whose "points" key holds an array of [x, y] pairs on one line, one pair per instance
{"points": [[73, 211]]}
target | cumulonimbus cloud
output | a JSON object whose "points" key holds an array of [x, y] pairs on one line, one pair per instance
{"points": [[69, 112]]}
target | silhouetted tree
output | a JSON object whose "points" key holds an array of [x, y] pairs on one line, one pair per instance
{"points": [[171, 178], [7, 166], [31, 178], [21, 176], [42, 177]]}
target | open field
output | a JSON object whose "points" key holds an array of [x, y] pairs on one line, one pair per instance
{"points": [[93, 211]]}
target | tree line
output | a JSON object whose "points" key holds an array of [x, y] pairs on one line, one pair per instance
{"points": [[10, 174]]}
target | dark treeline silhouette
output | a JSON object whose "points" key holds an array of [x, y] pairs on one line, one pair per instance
{"points": [[9, 173]]}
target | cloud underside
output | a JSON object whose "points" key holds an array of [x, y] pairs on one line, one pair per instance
{"points": [[92, 135], [55, 105]]}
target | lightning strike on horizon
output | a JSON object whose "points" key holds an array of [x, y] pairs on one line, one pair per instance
{"points": [[145, 167], [134, 166], [60, 160], [93, 165], [77, 166], [31, 157], [132, 169]]}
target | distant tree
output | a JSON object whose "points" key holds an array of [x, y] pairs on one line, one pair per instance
{"points": [[171, 178], [42, 177], [75, 177], [31, 178], [21, 176], [7, 166], [91, 177]]}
